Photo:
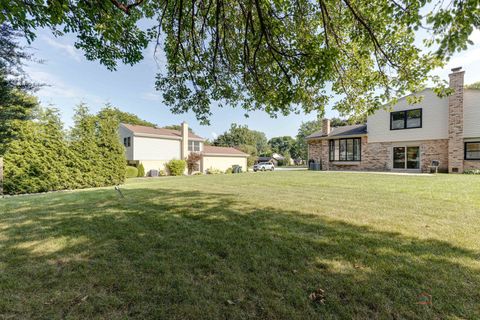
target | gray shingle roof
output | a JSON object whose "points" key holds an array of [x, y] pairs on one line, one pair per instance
{"points": [[354, 130]]}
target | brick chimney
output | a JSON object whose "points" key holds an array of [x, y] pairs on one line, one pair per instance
{"points": [[325, 127], [455, 122], [184, 142]]}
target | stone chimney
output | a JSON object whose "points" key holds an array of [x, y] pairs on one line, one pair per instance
{"points": [[184, 142], [325, 127], [455, 122]]}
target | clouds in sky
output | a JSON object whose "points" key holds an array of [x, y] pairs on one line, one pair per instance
{"points": [[67, 49], [55, 87]]}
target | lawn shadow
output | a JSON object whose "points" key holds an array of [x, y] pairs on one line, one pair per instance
{"points": [[167, 253]]}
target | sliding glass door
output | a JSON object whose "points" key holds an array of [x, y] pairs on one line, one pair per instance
{"points": [[406, 158]]}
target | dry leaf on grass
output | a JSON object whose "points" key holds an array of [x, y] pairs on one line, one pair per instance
{"points": [[318, 296]]}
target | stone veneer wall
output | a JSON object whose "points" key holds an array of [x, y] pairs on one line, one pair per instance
{"points": [[455, 123], [471, 164], [378, 156]]}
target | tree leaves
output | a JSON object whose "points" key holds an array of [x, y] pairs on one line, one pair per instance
{"points": [[279, 56]]}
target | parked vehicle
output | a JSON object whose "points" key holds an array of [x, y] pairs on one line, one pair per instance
{"points": [[263, 166]]}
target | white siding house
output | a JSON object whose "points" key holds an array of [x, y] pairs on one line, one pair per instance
{"points": [[154, 147]]}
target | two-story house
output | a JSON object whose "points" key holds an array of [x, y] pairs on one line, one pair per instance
{"points": [[407, 137], [154, 147]]}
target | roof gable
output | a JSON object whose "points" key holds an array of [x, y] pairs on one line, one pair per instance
{"points": [[161, 132]]}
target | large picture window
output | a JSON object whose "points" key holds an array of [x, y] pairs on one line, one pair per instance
{"points": [[345, 149], [407, 119], [472, 150]]}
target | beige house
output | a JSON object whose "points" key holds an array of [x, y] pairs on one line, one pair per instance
{"points": [[153, 147], [408, 137]]}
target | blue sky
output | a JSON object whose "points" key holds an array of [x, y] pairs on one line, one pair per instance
{"points": [[73, 79]]}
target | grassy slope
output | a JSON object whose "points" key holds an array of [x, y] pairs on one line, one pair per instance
{"points": [[243, 246]]}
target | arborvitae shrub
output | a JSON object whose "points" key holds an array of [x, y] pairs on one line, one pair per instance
{"points": [[141, 171]]}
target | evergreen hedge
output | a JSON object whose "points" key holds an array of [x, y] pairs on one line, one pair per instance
{"points": [[43, 157], [141, 171]]}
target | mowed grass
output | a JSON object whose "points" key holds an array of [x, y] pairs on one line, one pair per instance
{"points": [[246, 246]]}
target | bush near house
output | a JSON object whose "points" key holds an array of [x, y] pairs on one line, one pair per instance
{"points": [[132, 172], [214, 171], [176, 167], [472, 171], [193, 162], [141, 171]]}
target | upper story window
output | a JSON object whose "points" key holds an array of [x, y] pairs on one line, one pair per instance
{"points": [[127, 142], [472, 150], [193, 145], [407, 119], [345, 149]]}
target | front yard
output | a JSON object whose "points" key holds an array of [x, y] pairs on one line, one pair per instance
{"points": [[246, 246]]}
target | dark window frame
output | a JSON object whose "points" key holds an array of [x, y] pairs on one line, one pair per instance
{"points": [[465, 149], [331, 152], [405, 118], [127, 142]]}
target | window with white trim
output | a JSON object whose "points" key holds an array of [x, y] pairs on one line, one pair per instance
{"points": [[193, 145]]}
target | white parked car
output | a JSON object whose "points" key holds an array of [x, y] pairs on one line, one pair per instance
{"points": [[262, 166]]}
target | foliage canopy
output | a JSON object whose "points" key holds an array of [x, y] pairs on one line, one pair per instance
{"points": [[277, 56]]}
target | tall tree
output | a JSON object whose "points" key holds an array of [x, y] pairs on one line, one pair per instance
{"points": [[275, 56], [306, 129], [15, 102], [239, 135], [83, 137], [124, 117], [112, 153], [177, 127], [39, 159], [282, 145]]}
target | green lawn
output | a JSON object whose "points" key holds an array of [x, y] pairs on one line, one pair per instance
{"points": [[246, 246]]}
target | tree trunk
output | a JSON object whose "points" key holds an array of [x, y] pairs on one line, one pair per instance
{"points": [[1, 176]]}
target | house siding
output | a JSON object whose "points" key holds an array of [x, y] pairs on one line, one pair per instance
{"points": [[124, 133], [471, 114], [156, 149], [434, 121], [222, 162]]}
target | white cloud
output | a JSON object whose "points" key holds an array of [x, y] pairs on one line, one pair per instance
{"points": [[214, 135], [55, 87], [464, 59], [66, 48]]}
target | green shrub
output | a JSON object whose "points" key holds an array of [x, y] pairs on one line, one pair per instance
{"points": [[176, 167], [141, 170], [132, 172], [214, 171], [198, 173], [162, 173], [229, 170], [472, 171]]}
